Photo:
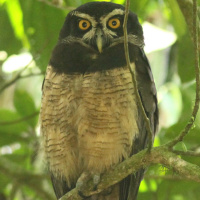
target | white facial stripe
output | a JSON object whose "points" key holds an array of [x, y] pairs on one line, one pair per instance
{"points": [[90, 34], [108, 32], [86, 16], [104, 19], [71, 39]]}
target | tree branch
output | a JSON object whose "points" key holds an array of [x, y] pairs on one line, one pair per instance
{"points": [[187, 153], [158, 155]]}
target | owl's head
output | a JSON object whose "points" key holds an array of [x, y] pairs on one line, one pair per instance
{"points": [[100, 25]]}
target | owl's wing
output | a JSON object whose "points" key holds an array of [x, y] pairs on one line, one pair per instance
{"points": [[58, 137], [147, 90]]}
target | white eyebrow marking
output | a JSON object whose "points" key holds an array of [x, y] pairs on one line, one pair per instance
{"points": [[85, 16], [104, 19]]}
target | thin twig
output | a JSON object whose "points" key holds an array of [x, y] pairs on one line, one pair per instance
{"points": [[166, 177], [8, 84], [187, 153], [32, 74], [18, 77], [148, 126], [19, 120], [197, 99]]}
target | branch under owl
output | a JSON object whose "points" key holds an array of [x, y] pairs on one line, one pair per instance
{"points": [[143, 159]]}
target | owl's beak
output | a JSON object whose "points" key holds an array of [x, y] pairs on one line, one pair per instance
{"points": [[100, 40]]}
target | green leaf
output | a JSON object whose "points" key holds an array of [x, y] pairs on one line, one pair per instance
{"points": [[23, 158], [10, 138], [16, 19], [193, 138], [146, 195], [3, 181], [25, 106], [186, 59], [184, 146], [176, 190], [119, 1], [191, 159], [8, 41], [10, 116], [138, 6], [42, 25], [2, 2], [170, 103], [10, 131], [177, 18]]}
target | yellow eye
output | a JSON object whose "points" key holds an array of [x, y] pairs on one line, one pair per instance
{"points": [[114, 23], [84, 24]]}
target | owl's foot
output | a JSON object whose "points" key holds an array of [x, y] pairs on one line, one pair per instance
{"points": [[84, 178], [96, 180]]}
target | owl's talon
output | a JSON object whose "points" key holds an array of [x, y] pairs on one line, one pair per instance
{"points": [[79, 185], [85, 176], [96, 180], [82, 195]]}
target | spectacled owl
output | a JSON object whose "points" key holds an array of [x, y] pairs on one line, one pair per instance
{"points": [[90, 116]]}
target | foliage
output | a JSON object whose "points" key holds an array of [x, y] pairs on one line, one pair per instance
{"points": [[31, 28]]}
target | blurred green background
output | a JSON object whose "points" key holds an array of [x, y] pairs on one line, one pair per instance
{"points": [[28, 32]]}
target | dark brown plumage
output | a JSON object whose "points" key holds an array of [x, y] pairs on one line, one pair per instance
{"points": [[90, 119]]}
